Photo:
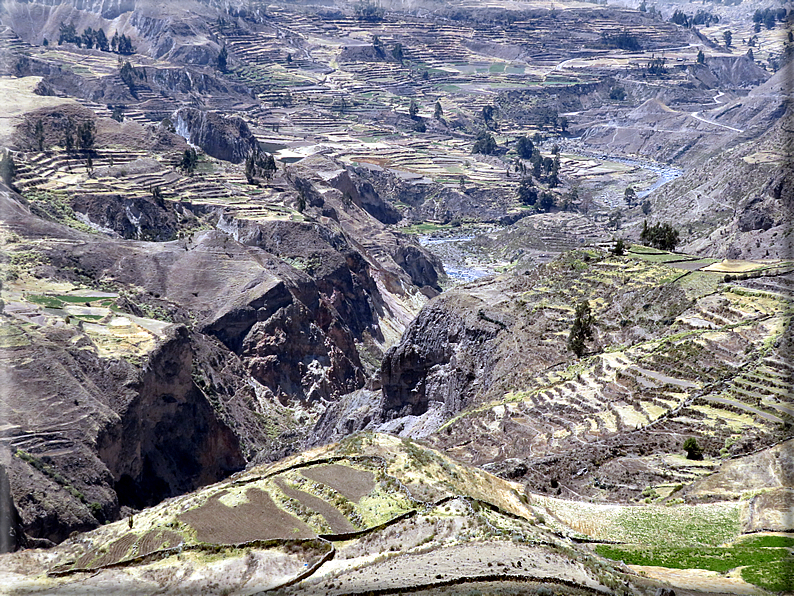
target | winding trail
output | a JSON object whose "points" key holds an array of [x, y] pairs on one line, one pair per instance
{"points": [[716, 101]]}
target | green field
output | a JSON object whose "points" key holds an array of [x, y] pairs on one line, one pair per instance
{"points": [[771, 568]]}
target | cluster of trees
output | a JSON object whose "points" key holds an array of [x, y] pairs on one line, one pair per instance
{"points": [[90, 38], [485, 144], [81, 137], [656, 66], [623, 41], [259, 165], [617, 94], [701, 17], [661, 236], [545, 168], [768, 17], [529, 194], [131, 75]]}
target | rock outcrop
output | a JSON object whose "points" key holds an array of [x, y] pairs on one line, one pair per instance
{"points": [[223, 137]]}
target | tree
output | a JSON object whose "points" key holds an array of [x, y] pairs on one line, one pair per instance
{"points": [[617, 93], [546, 201], [661, 236], [693, 449], [487, 116], [377, 43], [750, 54], [101, 40], [619, 248], [701, 57], [397, 52], [646, 206], [86, 135], [157, 195], [581, 330], [125, 45], [438, 113], [114, 42], [524, 147], [631, 196], [89, 165], [369, 12], [45, 43], [8, 169], [728, 37], [413, 110], [38, 134], [88, 38], [484, 144], [118, 114], [68, 135], [223, 56], [527, 193], [189, 161], [562, 124], [615, 219], [68, 34]]}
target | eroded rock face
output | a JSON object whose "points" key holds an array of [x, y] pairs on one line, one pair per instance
{"points": [[12, 536], [223, 137], [437, 358], [168, 439]]}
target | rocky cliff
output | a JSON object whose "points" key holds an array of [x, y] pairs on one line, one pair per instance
{"points": [[223, 137]]}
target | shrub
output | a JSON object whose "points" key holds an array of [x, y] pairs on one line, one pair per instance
{"points": [[693, 449]]}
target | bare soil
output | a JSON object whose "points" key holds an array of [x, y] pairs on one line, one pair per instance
{"points": [[258, 519], [349, 482]]}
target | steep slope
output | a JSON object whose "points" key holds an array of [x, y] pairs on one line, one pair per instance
{"points": [[484, 373], [371, 514]]}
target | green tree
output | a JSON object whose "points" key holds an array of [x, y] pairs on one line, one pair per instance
{"points": [[728, 37], [157, 196], [438, 113], [693, 449], [661, 236], [259, 165], [397, 52], [524, 147], [581, 330], [38, 134], [223, 57], [413, 109], [101, 40], [68, 135], [701, 57], [527, 193], [619, 248], [86, 135], [484, 144], [189, 161], [546, 201], [631, 196], [617, 93], [8, 169]]}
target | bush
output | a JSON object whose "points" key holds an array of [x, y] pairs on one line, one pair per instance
{"points": [[693, 449]]}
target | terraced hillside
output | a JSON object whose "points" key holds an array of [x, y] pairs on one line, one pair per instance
{"points": [[372, 513], [678, 350]]}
